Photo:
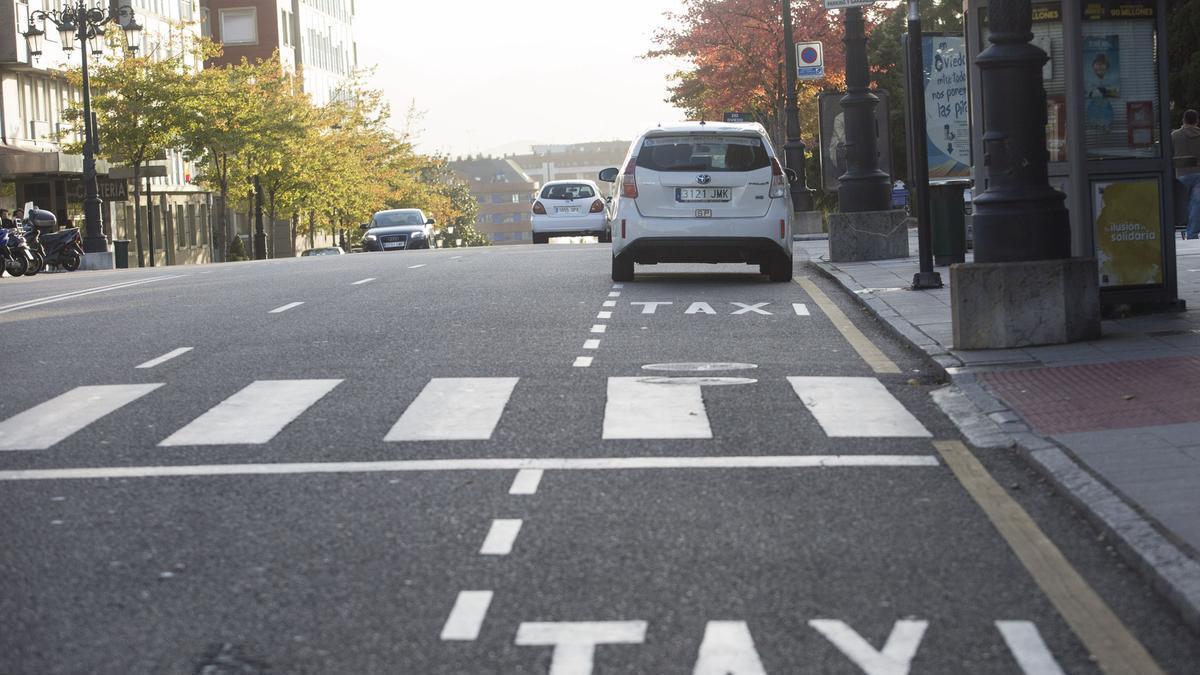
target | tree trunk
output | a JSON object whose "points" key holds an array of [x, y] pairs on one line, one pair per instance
{"points": [[312, 229], [221, 231], [295, 230], [137, 212]]}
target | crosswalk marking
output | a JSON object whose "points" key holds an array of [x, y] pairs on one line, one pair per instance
{"points": [[456, 408], [44, 425], [648, 410], [856, 407], [254, 415]]}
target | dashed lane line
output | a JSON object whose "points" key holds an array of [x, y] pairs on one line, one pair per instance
{"points": [[591, 344], [360, 282], [501, 537], [599, 328], [481, 464], [526, 482], [583, 362], [800, 308], [284, 308], [87, 291], [1102, 633], [467, 615], [610, 303], [604, 315], [874, 357], [164, 358]]}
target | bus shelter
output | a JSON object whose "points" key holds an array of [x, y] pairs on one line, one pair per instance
{"points": [[1107, 136]]}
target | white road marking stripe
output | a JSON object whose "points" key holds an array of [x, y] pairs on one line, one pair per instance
{"points": [[281, 310], [637, 409], [856, 407], [614, 294], [604, 315], [801, 309], [455, 409], [575, 642], [526, 482], [757, 308], [1028, 648], [591, 344], [254, 415], [363, 281], [413, 267], [48, 423], [482, 464], [500, 537], [650, 307], [455, 257], [78, 294], [165, 357], [618, 286], [727, 648], [466, 618], [599, 328], [583, 362], [894, 659], [610, 303]]}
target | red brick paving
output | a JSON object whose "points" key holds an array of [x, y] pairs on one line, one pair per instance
{"points": [[1096, 397]]}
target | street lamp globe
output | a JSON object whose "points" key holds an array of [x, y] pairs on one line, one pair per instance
{"points": [[97, 43], [66, 34], [132, 32], [34, 37]]}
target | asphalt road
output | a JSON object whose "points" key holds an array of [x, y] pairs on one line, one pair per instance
{"points": [[462, 465]]}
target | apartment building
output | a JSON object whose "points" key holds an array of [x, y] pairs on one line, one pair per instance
{"points": [[314, 38], [571, 162], [33, 168], [505, 195]]}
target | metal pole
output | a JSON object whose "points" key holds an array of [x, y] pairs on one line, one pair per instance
{"points": [[793, 149], [1019, 217], [150, 217], [94, 240], [927, 277], [863, 187], [260, 235]]}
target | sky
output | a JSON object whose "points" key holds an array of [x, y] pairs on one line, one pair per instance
{"points": [[495, 76]]}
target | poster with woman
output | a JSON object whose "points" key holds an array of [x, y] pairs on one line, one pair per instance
{"points": [[1101, 79]]}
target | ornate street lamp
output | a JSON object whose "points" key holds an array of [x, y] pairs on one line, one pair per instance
{"points": [[80, 22]]}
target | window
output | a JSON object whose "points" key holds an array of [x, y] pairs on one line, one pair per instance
{"points": [[191, 224], [516, 199], [498, 199], [180, 227], [239, 26], [568, 191]]}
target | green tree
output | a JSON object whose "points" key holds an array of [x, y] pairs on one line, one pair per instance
{"points": [[137, 103], [1183, 53]]}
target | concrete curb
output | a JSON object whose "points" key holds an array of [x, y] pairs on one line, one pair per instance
{"points": [[988, 423]]}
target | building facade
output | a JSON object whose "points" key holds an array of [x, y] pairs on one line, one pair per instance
{"points": [[34, 93], [504, 193], [314, 38], [579, 161]]}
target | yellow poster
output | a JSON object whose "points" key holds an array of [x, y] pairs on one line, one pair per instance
{"points": [[1128, 232]]}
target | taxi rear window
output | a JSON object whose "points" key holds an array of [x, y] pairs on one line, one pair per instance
{"points": [[568, 191], [716, 153]]}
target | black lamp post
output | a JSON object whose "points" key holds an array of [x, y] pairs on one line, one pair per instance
{"points": [[793, 149], [81, 22], [863, 187]]}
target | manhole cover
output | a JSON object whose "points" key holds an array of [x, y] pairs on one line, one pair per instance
{"points": [[699, 367], [702, 381]]}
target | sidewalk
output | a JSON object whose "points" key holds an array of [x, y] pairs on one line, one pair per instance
{"points": [[1125, 407]]}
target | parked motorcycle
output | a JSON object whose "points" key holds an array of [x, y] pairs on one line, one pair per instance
{"points": [[63, 248], [14, 252], [33, 239]]}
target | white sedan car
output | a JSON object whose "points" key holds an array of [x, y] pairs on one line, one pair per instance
{"points": [[702, 192], [569, 208]]}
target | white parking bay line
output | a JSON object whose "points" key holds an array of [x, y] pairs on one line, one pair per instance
{"points": [[165, 357], [614, 294], [583, 362], [501, 537], [618, 286], [480, 464], [857, 407], [801, 308], [455, 409], [591, 344], [44, 425], [281, 310], [413, 267], [639, 409], [254, 415], [610, 303], [575, 642], [466, 618], [1028, 648], [604, 315], [599, 328], [363, 281], [526, 482]]}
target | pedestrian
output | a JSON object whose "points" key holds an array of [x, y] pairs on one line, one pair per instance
{"points": [[6, 222], [1186, 140]]}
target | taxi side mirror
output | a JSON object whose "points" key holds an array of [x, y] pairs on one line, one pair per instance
{"points": [[609, 175]]}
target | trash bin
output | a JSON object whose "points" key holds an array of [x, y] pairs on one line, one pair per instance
{"points": [[947, 214], [121, 252]]}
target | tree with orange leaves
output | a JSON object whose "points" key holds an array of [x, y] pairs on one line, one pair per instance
{"points": [[735, 50]]}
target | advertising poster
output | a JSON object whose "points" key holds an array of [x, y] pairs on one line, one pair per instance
{"points": [[1128, 232], [1101, 79], [833, 137], [947, 108]]}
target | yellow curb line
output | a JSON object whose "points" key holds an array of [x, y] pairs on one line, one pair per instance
{"points": [[875, 358]]}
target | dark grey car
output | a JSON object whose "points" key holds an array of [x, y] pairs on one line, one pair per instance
{"points": [[397, 230]]}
